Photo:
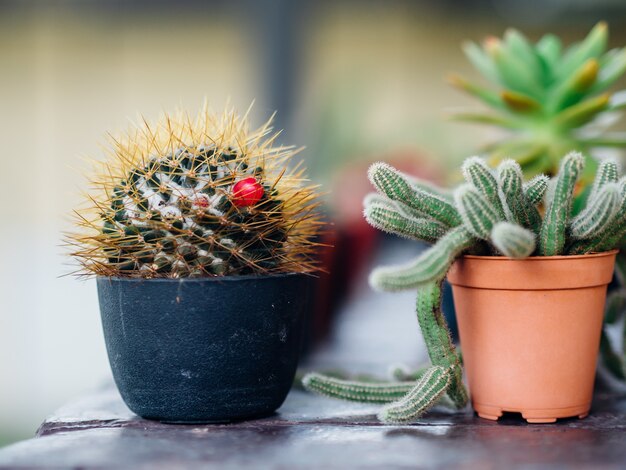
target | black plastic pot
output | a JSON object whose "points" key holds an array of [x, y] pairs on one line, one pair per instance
{"points": [[204, 349]]}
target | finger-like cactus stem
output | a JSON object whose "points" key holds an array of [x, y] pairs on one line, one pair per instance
{"points": [[613, 233], [439, 344], [512, 240], [366, 392], [598, 214], [389, 219], [536, 188], [554, 227], [516, 205], [424, 395], [379, 199], [608, 172], [432, 264], [477, 172], [395, 186], [478, 214]]}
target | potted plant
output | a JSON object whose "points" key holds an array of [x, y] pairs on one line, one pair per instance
{"points": [[199, 233], [529, 291], [548, 98]]}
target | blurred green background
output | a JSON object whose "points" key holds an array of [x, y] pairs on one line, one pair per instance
{"points": [[354, 81]]}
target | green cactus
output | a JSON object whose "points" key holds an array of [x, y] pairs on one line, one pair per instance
{"points": [[608, 172], [203, 197], [356, 391], [598, 214], [389, 219], [473, 223], [536, 188], [480, 176], [430, 265], [439, 344], [391, 183], [512, 240], [426, 392], [517, 205], [554, 226], [478, 215]]}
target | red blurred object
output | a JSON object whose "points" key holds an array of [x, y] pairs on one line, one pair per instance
{"points": [[247, 192]]}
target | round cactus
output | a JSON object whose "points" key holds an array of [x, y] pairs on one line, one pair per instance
{"points": [[198, 197]]}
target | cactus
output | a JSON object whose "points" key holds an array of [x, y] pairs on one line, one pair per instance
{"points": [[598, 214], [536, 188], [519, 208], [608, 172], [427, 391], [391, 183], [512, 240], [511, 231], [554, 226], [543, 94], [478, 174], [356, 391], [430, 265], [197, 197], [441, 350], [388, 218], [478, 215]]}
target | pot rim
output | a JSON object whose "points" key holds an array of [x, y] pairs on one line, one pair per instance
{"points": [[543, 258], [231, 278]]}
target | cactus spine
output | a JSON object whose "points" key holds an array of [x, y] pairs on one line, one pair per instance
{"points": [[201, 196], [472, 222]]}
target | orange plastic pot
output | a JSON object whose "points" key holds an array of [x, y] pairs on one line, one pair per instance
{"points": [[530, 332]]}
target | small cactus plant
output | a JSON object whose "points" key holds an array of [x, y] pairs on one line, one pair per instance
{"points": [[493, 213], [202, 196]]}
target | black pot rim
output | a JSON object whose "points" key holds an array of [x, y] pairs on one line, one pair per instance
{"points": [[244, 277]]}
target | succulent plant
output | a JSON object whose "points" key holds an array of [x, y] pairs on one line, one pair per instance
{"points": [[551, 99], [197, 197], [493, 213]]}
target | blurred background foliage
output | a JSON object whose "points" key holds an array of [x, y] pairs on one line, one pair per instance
{"points": [[354, 81]]}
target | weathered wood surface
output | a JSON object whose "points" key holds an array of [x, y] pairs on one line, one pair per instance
{"points": [[315, 432], [374, 331]]}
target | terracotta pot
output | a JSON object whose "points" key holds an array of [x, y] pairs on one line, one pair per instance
{"points": [[530, 332]]}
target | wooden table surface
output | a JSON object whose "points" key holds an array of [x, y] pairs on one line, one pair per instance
{"points": [[373, 331]]}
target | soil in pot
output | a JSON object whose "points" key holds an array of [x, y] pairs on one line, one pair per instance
{"points": [[204, 349], [530, 332]]}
